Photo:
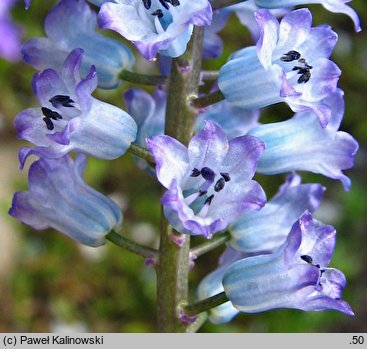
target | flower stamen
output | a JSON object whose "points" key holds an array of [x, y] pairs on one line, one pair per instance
{"points": [[65, 101]]}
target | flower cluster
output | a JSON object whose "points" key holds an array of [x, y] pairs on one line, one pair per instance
{"points": [[205, 157]]}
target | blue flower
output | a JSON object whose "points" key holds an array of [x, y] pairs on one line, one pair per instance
{"points": [[209, 183], [71, 119], [290, 64], [301, 144], [295, 276], [58, 198], [337, 6], [163, 26], [10, 33], [71, 24], [260, 232]]}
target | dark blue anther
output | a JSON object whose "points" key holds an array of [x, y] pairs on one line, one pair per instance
{"points": [[208, 174], [290, 56], [209, 199], [158, 13], [219, 185], [147, 4], [195, 173], [63, 100], [304, 77], [306, 258], [174, 3], [50, 114], [225, 175], [48, 123], [164, 4], [202, 192]]}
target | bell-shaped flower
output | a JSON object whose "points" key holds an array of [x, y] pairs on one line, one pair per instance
{"points": [[209, 183], [71, 24], [295, 276], [290, 64], [70, 119], [58, 198], [10, 33], [163, 26], [234, 121], [301, 143], [337, 6], [265, 230]]}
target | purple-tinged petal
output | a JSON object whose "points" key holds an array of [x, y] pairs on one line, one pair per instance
{"points": [[242, 157], [171, 158], [298, 22], [269, 31], [208, 147], [238, 198]]}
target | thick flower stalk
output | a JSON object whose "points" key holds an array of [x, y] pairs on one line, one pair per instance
{"points": [[295, 276], [58, 198], [156, 26], [290, 64], [300, 143], [72, 24], [71, 119], [10, 33], [209, 183], [337, 6]]}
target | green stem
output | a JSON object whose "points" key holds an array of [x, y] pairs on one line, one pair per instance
{"points": [[131, 246], [192, 328], [209, 99], [217, 4], [207, 246], [205, 304], [141, 78], [141, 153], [173, 263]]}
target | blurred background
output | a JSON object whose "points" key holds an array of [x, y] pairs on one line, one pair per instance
{"points": [[49, 283]]}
